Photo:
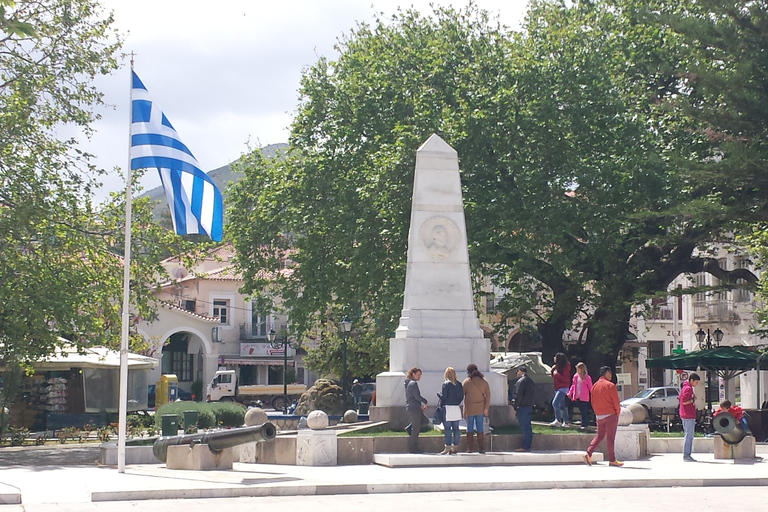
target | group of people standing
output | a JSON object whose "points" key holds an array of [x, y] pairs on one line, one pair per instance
{"points": [[473, 393], [577, 389]]}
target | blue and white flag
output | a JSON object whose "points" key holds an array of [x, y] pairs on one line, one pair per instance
{"points": [[194, 200]]}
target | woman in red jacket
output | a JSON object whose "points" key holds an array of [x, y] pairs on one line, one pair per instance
{"points": [[561, 377]]}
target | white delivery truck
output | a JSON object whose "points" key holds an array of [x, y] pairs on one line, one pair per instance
{"points": [[223, 387]]}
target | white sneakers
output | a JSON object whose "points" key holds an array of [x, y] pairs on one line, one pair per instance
{"points": [[556, 423]]}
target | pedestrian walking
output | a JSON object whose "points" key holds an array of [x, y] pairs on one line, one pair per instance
{"points": [[523, 404], [561, 378], [605, 403], [687, 400], [477, 399], [581, 387], [414, 406], [357, 391], [453, 395]]}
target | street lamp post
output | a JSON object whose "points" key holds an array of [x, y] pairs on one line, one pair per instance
{"points": [[271, 335], [706, 338], [345, 326]]}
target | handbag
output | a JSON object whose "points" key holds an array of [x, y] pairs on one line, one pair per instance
{"points": [[439, 416]]}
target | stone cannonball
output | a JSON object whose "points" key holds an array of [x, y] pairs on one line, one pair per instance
{"points": [[639, 413], [317, 420], [255, 416], [625, 417], [350, 416]]}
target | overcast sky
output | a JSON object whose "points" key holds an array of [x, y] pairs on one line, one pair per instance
{"points": [[227, 73]]}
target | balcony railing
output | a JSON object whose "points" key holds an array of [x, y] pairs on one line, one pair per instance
{"points": [[715, 311], [253, 331]]}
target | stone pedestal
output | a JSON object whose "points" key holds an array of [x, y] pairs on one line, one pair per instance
{"points": [[632, 442], [743, 450], [198, 457], [316, 448], [245, 452]]}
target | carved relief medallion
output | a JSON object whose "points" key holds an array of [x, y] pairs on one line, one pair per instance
{"points": [[440, 237]]}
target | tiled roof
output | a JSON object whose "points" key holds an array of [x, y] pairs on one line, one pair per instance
{"points": [[174, 307]]}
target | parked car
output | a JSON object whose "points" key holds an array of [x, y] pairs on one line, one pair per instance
{"points": [[369, 388], [661, 400]]}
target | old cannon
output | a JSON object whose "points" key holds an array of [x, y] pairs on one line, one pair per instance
{"points": [[728, 428], [216, 441]]}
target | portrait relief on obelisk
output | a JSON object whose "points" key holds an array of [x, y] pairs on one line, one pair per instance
{"points": [[440, 237]]}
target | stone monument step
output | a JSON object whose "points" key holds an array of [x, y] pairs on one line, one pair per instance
{"points": [[400, 460]]}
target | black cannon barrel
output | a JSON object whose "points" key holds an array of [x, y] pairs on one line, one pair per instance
{"points": [[728, 428], [216, 441]]}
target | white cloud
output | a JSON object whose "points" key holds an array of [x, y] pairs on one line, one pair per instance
{"points": [[228, 72]]}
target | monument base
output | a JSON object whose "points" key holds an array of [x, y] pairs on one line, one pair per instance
{"points": [[390, 386], [198, 457], [631, 442], [316, 448], [745, 449]]}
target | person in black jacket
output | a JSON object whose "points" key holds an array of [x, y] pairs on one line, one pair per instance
{"points": [[452, 396], [523, 403], [414, 406]]}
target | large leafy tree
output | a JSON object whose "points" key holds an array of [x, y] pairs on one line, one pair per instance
{"points": [[60, 254], [573, 197], [721, 87]]}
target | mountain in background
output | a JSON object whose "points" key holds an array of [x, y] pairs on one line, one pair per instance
{"points": [[221, 177]]}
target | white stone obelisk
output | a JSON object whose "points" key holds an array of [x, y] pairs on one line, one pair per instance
{"points": [[439, 325]]}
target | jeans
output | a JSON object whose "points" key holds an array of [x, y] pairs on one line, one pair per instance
{"points": [[358, 399], [524, 418], [606, 428], [584, 411], [558, 403], [689, 425], [451, 432], [743, 423], [475, 423]]}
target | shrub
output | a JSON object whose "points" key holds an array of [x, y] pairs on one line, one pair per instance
{"points": [[211, 414]]}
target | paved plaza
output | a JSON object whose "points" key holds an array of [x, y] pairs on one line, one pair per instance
{"points": [[39, 483]]}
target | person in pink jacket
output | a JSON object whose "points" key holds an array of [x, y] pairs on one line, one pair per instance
{"points": [[581, 387]]}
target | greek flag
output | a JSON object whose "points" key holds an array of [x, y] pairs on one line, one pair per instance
{"points": [[194, 200]]}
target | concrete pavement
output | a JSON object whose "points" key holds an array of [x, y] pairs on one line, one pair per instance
{"points": [[41, 483]]}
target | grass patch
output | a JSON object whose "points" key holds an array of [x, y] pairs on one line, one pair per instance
{"points": [[674, 434]]}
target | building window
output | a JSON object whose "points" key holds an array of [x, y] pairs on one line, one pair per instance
{"points": [[275, 374], [741, 294], [189, 305], [258, 324], [221, 311]]}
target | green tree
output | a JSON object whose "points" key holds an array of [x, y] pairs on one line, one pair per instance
{"points": [[573, 195], [60, 254]]}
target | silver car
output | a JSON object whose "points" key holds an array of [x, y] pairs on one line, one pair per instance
{"points": [[658, 401]]}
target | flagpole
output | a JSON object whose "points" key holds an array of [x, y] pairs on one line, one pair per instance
{"points": [[123, 402]]}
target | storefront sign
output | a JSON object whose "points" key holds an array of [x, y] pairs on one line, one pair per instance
{"points": [[261, 350]]}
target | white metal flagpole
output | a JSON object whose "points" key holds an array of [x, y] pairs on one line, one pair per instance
{"points": [[123, 402]]}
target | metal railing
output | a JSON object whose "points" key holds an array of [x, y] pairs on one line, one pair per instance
{"points": [[715, 311]]}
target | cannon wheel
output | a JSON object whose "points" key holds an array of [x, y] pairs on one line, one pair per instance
{"points": [[279, 402]]}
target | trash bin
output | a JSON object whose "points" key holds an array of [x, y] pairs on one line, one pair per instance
{"points": [[170, 424], [362, 408], [190, 419]]}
